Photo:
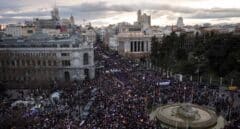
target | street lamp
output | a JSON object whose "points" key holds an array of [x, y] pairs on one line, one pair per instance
{"points": [[185, 93]]}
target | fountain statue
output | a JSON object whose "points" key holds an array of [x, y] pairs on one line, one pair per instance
{"points": [[186, 115], [186, 111]]}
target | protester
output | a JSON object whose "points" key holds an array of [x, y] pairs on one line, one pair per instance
{"points": [[121, 97]]}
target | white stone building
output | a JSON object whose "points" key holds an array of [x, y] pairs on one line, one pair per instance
{"points": [[14, 30], [51, 32], [144, 20], [134, 44], [91, 35], [42, 61], [113, 44]]}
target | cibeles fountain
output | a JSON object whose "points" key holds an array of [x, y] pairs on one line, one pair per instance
{"points": [[186, 116], [186, 111]]}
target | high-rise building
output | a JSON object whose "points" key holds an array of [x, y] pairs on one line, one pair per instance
{"points": [[55, 13], [144, 20], [139, 14], [72, 20], [180, 23]]}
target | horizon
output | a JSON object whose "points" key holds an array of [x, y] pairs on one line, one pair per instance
{"points": [[106, 12]]}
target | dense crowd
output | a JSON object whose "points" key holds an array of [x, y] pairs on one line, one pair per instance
{"points": [[122, 96]]}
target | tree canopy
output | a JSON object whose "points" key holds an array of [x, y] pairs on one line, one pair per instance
{"points": [[208, 53]]}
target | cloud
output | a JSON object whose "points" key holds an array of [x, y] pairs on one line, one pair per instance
{"points": [[103, 6], [215, 13], [112, 10]]}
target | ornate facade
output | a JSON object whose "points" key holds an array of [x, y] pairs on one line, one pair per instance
{"points": [[62, 60], [134, 44]]}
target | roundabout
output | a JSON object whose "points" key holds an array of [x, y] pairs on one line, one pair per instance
{"points": [[186, 115]]}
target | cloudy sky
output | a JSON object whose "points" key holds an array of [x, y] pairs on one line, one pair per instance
{"points": [[104, 12]]}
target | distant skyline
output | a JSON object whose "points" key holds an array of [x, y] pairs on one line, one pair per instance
{"points": [[104, 12]]}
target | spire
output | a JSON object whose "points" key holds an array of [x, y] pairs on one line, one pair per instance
{"points": [[139, 13], [72, 19], [55, 12], [55, 4]]}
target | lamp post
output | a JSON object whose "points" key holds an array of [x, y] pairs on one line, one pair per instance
{"points": [[210, 80], [221, 80], [231, 82], [185, 94], [198, 70]]}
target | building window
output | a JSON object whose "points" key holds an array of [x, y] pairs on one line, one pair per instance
{"points": [[147, 46], [49, 63], [86, 73], [8, 63], [28, 63], [18, 62], [3, 63], [75, 45], [67, 76], [23, 62], [33, 62], [38, 62], [85, 59], [65, 54], [44, 63], [30, 31], [64, 45], [13, 63], [131, 46], [55, 63], [66, 63]]}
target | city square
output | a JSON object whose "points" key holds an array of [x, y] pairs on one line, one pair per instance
{"points": [[63, 73]]}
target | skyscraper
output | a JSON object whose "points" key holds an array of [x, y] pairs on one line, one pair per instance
{"points": [[143, 20], [55, 13], [139, 14], [72, 20], [180, 23]]}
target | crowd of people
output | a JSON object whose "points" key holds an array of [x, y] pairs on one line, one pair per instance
{"points": [[121, 97]]}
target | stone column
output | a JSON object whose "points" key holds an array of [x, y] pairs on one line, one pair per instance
{"points": [[147, 47], [137, 46], [140, 46], [143, 46]]}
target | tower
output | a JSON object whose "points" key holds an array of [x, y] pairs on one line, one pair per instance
{"points": [[55, 13], [72, 20], [180, 23], [139, 14]]}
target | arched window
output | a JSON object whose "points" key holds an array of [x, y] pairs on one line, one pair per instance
{"points": [[67, 76], [85, 59]]}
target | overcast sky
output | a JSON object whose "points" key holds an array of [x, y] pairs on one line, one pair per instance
{"points": [[104, 12]]}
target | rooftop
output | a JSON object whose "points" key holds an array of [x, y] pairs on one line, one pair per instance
{"points": [[132, 35]]}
